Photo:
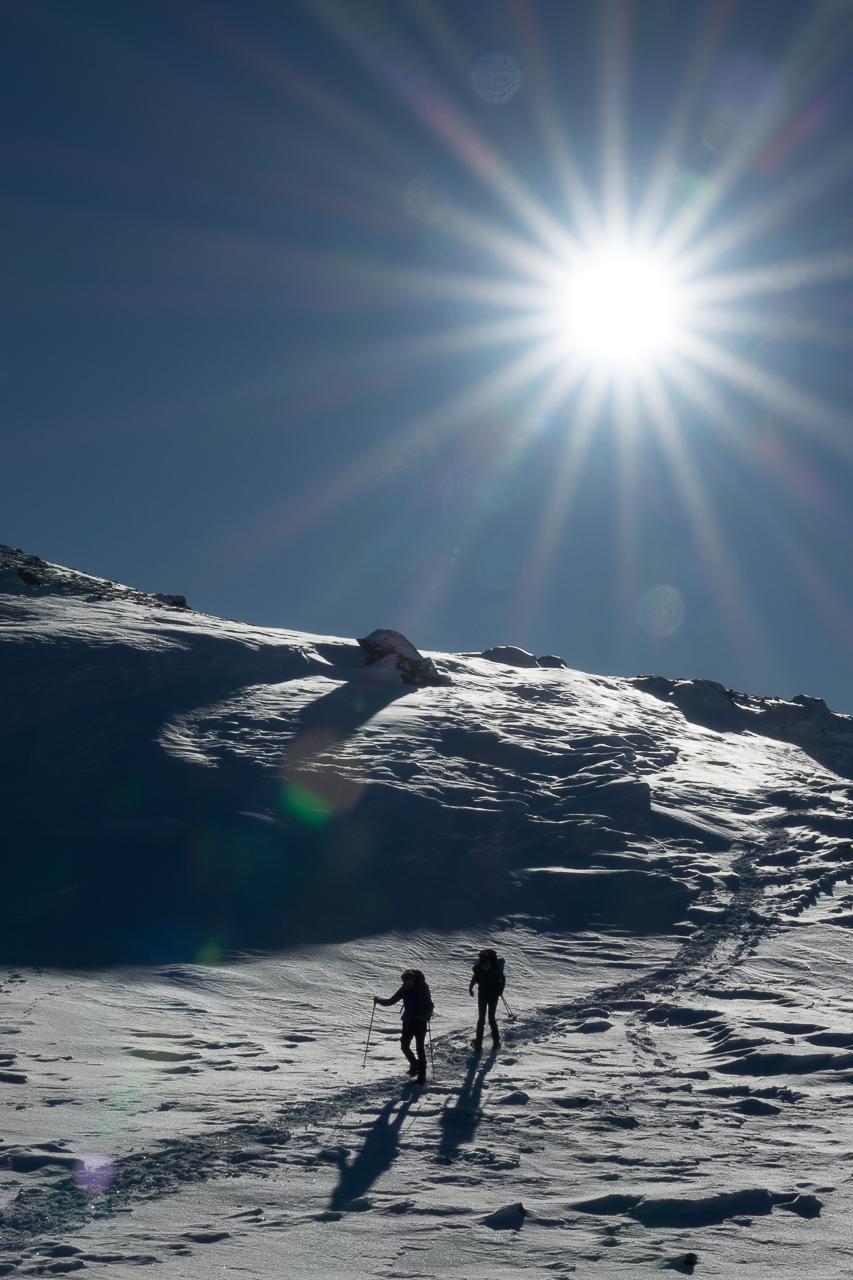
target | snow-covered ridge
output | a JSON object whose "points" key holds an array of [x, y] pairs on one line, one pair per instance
{"points": [[805, 721], [174, 777], [19, 567]]}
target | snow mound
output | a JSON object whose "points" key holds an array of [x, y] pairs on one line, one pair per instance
{"points": [[509, 1218]]}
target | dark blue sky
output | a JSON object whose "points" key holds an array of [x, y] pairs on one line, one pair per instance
{"points": [[236, 352]]}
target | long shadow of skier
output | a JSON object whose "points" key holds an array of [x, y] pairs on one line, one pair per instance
{"points": [[380, 1150], [459, 1122]]}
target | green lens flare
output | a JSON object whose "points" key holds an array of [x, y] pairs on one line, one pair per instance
{"points": [[305, 805]]}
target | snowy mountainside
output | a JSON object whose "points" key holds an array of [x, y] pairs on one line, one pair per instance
{"points": [[254, 829], [176, 779]]}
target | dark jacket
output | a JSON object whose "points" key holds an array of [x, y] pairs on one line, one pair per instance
{"points": [[417, 1002], [491, 981]]}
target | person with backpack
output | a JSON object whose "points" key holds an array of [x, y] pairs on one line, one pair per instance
{"points": [[416, 1013], [488, 978]]}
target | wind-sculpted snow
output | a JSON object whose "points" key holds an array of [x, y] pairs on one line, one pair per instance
{"points": [[665, 865], [175, 778], [805, 721]]}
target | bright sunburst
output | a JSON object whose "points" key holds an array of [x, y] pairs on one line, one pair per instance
{"points": [[633, 302], [621, 307]]}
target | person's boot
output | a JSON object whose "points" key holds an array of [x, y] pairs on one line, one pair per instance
{"points": [[413, 1069], [496, 1042], [477, 1044], [422, 1076]]}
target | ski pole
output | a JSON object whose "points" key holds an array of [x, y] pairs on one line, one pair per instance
{"points": [[369, 1029], [506, 1006], [431, 1052]]}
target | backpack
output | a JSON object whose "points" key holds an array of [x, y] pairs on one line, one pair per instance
{"points": [[427, 1007], [419, 1004], [495, 978]]}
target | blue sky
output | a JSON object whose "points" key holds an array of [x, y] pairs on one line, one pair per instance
{"points": [[261, 337]]}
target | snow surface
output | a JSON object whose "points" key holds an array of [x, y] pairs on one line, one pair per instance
{"points": [[223, 840]]}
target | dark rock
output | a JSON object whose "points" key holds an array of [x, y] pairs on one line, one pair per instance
{"points": [[172, 602], [510, 655], [413, 667], [552, 660]]}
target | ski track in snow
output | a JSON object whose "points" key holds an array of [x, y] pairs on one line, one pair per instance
{"points": [[669, 1086]]}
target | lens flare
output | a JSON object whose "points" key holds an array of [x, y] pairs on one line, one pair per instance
{"points": [[660, 611], [304, 804], [94, 1173], [496, 77]]}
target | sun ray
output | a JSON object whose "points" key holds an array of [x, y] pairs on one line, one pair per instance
{"points": [[626, 423], [777, 277], [741, 621], [553, 128], [833, 607], [458, 223], [615, 19], [770, 389], [509, 250], [444, 37], [700, 391], [415, 87], [804, 189], [564, 483], [503, 463], [767, 454], [335, 380], [425, 286], [771, 326], [263, 60], [665, 165], [375, 466], [815, 38]]}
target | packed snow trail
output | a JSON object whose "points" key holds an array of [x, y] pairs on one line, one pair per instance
{"points": [[262, 1147]]}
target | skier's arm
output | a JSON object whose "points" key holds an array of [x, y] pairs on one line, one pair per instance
{"points": [[398, 995], [475, 978]]}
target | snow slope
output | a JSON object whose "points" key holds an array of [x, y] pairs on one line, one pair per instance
{"points": [[222, 839]]}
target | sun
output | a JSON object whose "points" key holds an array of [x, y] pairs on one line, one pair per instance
{"points": [[621, 308]]}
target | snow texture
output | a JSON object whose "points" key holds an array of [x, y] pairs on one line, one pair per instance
{"points": [[222, 840]]}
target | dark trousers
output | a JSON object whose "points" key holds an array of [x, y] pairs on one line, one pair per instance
{"points": [[415, 1029], [487, 1002]]}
